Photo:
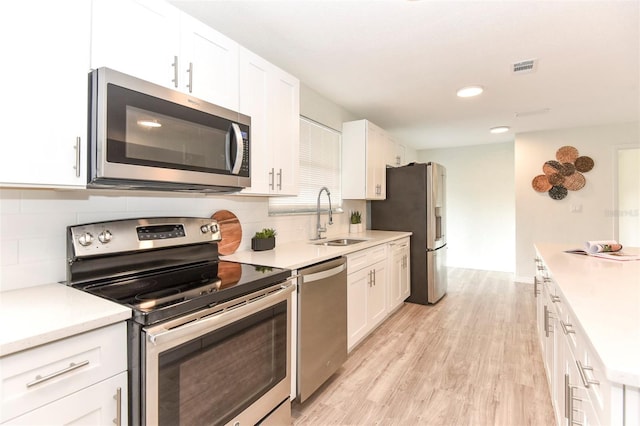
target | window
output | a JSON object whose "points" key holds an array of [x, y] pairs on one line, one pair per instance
{"points": [[320, 165]]}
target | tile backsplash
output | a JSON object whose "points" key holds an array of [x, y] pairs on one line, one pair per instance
{"points": [[33, 223]]}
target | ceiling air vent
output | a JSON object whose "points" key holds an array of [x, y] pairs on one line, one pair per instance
{"points": [[525, 67]]}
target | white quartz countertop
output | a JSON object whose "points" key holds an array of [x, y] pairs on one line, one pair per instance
{"points": [[297, 254], [37, 315], [604, 296]]}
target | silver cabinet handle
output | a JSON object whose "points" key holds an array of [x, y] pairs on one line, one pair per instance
{"points": [[175, 71], [583, 375], [555, 299], [118, 398], [77, 147], [567, 328], [536, 292], [272, 179], [190, 71], [546, 321], [72, 366], [280, 180], [374, 277], [567, 396], [569, 403]]}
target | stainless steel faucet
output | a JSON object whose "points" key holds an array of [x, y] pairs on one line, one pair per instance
{"points": [[319, 228]]}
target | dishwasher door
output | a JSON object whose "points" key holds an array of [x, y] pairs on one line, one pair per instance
{"points": [[322, 323]]}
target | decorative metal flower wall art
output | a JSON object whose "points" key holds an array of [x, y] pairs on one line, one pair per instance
{"points": [[563, 174]]}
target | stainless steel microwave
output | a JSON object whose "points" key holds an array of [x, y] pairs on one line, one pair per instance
{"points": [[144, 136]]}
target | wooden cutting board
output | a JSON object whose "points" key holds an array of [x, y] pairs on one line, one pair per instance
{"points": [[230, 230]]}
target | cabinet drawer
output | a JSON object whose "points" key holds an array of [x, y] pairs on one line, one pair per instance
{"points": [[363, 258], [35, 377], [100, 404]]}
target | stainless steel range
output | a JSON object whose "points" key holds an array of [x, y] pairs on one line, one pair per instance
{"points": [[209, 340]]}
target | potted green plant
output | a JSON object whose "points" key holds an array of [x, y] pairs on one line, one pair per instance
{"points": [[355, 223], [264, 240]]}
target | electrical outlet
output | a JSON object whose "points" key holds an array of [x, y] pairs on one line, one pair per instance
{"points": [[575, 208]]}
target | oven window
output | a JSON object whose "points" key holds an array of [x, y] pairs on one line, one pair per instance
{"points": [[210, 380]]}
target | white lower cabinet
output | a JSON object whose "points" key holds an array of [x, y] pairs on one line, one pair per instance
{"points": [[366, 292], [77, 380], [579, 389], [104, 403], [399, 284]]}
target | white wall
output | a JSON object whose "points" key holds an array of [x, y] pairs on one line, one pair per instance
{"points": [[542, 219], [480, 205]]}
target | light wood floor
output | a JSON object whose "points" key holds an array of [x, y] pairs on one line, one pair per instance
{"points": [[471, 359]]}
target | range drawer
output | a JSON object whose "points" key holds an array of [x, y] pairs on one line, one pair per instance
{"points": [[38, 376]]}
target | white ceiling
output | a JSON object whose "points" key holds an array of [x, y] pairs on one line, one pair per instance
{"points": [[399, 63]]}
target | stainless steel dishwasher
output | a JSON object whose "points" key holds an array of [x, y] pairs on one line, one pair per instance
{"points": [[322, 323]]}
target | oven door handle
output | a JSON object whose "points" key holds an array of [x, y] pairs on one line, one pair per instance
{"points": [[217, 316]]}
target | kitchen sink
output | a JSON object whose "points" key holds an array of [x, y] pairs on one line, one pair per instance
{"points": [[340, 242]]}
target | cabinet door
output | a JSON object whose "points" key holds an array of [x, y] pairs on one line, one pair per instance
{"points": [[376, 300], [271, 98], [285, 131], [357, 294], [375, 167], [138, 37], [395, 153], [254, 102], [44, 138], [101, 404], [398, 287], [405, 275], [395, 276], [209, 64]]}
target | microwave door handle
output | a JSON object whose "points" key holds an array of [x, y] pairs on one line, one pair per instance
{"points": [[235, 169]]}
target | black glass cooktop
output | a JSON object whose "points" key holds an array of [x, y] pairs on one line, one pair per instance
{"points": [[158, 296]]}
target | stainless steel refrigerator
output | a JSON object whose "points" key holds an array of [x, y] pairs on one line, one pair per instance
{"points": [[416, 202]]}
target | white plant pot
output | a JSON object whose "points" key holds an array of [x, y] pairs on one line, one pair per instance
{"points": [[355, 228]]}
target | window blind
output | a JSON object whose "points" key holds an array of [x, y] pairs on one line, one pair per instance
{"points": [[320, 165]]}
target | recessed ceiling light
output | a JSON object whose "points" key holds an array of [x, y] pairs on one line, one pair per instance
{"points": [[469, 91], [499, 129]]}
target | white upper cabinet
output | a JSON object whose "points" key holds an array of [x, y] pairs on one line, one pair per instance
{"points": [[209, 63], [139, 38], [364, 147], [154, 41], [395, 155], [45, 92], [271, 97]]}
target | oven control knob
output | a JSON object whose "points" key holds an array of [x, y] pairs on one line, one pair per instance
{"points": [[204, 229], [85, 239], [105, 236]]}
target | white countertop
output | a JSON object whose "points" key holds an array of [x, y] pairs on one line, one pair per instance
{"points": [[298, 254], [37, 315], [604, 296]]}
